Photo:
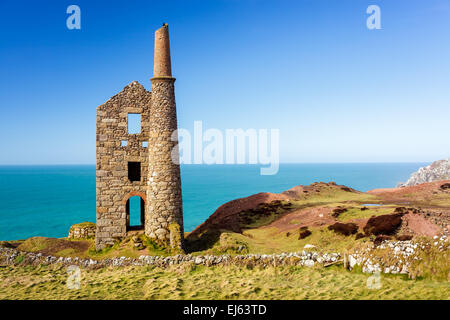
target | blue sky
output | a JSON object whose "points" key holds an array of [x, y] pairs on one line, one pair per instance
{"points": [[337, 91]]}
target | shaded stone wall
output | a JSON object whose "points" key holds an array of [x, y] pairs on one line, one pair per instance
{"points": [[113, 186]]}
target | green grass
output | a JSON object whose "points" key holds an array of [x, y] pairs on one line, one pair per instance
{"points": [[86, 248], [442, 200], [357, 213], [126, 248], [437, 198], [330, 194], [69, 252], [84, 224], [36, 244], [270, 240], [433, 263], [220, 282], [19, 259]]}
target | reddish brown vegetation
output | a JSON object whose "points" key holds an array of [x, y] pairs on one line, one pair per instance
{"points": [[337, 211], [273, 211], [344, 228], [380, 238], [404, 237], [359, 235], [317, 187], [420, 192], [386, 224], [231, 215], [227, 215], [51, 246], [401, 210], [445, 186], [304, 232], [262, 210]]}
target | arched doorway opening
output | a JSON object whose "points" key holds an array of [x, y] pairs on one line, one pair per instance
{"points": [[135, 208]]}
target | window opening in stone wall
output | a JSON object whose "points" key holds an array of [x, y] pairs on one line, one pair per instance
{"points": [[134, 123], [134, 171], [123, 143], [135, 208], [144, 144]]}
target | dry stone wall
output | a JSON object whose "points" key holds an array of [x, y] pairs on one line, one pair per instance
{"points": [[394, 256], [10, 256]]}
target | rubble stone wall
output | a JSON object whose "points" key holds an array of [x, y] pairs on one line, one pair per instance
{"points": [[9, 256], [164, 205], [85, 230], [113, 188]]}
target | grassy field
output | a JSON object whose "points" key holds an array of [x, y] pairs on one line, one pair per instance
{"points": [[357, 213], [269, 240], [331, 194], [220, 282]]}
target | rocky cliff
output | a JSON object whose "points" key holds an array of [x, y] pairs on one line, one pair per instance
{"points": [[438, 170]]}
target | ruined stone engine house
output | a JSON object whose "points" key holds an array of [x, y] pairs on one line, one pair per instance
{"points": [[140, 163]]}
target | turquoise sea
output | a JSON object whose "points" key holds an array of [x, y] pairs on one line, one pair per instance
{"points": [[47, 200]]}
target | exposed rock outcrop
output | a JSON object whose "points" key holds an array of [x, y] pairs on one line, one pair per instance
{"points": [[438, 170], [84, 230]]}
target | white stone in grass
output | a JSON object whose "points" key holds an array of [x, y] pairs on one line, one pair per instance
{"points": [[309, 263], [198, 260], [352, 261]]}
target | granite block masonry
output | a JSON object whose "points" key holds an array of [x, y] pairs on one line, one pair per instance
{"points": [[140, 164]]}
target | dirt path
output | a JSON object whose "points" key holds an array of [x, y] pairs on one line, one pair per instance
{"points": [[308, 217]]}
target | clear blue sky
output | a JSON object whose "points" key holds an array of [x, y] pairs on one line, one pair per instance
{"points": [[337, 91]]}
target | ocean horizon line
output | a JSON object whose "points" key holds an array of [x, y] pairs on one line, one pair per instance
{"points": [[224, 164]]}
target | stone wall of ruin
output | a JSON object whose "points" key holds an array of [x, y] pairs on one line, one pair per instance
{"points": [[113, 186]]}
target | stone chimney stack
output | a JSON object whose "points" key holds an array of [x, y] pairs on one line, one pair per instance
{"points": [[162, 66], [164, 214]]}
